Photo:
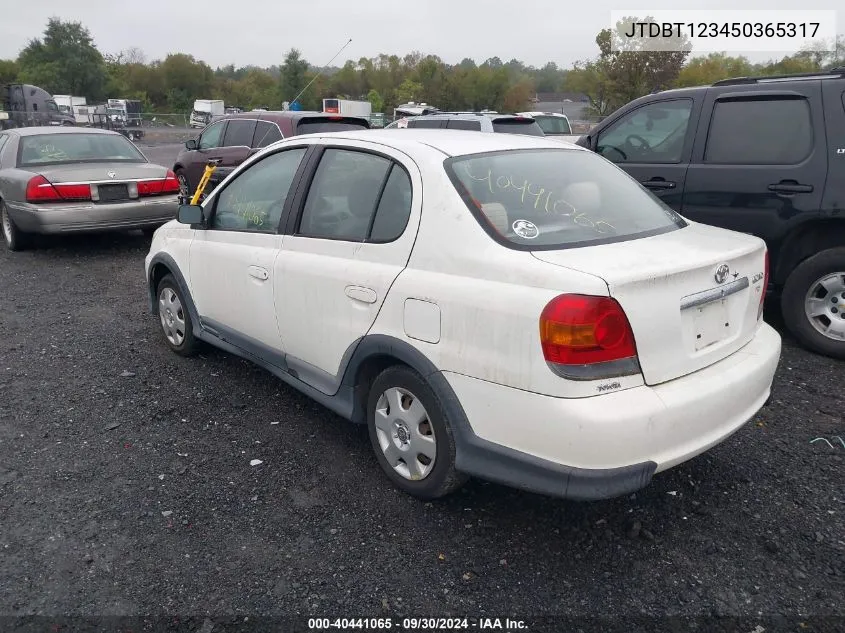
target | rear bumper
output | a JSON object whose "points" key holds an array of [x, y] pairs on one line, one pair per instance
{"points": [[609, 445], [83, 217]]}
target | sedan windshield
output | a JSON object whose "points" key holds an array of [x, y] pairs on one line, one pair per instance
{"points": [[549, 198], [49, 149]]}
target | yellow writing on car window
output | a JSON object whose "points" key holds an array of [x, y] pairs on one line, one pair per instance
{"points": [[253, 212], [540, 198]]}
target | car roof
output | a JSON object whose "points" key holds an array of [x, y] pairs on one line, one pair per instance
{"points": [[49, 129], [270, 115], [467, 115], [451, 142], [533, 114]]}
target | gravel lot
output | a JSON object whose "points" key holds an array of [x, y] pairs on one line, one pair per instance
{"points": [[126, 488]]}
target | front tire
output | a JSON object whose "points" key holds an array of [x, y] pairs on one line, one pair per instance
{"points": [[813, 302], [174, 318], [411, 435], [15, 239]]}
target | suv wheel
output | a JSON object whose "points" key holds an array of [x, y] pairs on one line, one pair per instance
{"points": [[813, 302], [410, 433], [16, 240], [175, 319]]}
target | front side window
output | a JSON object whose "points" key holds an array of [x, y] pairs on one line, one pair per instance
{"points": [[52, 107], [760, 132], [552, 125], [342, 199], [239, 132], [47, 149], [211, 137], [255, 199], [544, 199], [654, 133]]}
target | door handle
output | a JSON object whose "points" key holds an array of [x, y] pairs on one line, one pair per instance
{"points": [[359, 293], [659, 183], [258, 273], [790, 186]]}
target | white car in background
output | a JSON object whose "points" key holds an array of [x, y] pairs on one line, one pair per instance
{"points": [[494, 305], [553, 124]]}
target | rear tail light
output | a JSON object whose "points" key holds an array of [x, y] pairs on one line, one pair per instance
{"points": [[765, 286], [159, 187], [39, 189], [587, 337]]}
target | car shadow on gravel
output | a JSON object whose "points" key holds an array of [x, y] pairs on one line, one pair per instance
{"points": [[88, 244]]}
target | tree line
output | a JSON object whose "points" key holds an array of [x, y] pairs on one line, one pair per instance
{"points": [[66, 60]]}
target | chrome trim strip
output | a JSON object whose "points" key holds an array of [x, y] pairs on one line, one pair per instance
{"points": [[714, 294]]}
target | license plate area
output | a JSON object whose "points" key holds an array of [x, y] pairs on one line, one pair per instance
{"points": [[711, 323], [112, 193]]}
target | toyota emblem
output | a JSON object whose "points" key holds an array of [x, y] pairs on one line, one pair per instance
{"points": [[722, 272]]}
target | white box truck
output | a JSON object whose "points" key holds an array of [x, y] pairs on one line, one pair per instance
{"points": [[77, 107], [205, 110], [346, 107]]}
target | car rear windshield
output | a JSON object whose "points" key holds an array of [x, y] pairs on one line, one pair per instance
{"points": [[517, 126], [551, 199], [553, 124], [49, 149], [313, 125]]}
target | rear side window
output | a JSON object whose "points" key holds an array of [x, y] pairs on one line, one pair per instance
{"points": [[314, 125], [551, 199], [427, 123], [239, 132], [760, 132], [266, 133], [516, 126], [342, 199], [394, 208], [463, 124], [3, 139]]}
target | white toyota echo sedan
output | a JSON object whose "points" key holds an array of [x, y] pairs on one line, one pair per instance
{"points": [[506, 307]]}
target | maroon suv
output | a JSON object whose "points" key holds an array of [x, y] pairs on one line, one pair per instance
{"points": [[235, 137]]}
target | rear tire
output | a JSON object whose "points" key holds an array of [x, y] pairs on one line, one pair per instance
{"points": [[813, 302], [15, 239], [411, 434], [174, 318]]}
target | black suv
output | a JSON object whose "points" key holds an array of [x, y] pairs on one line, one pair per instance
{"points": [[761, 155]]}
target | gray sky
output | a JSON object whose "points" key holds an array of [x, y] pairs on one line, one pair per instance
{"points": [[260, 31]]}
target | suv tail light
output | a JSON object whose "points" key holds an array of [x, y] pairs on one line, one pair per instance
{"points": [[159, 187], [587, 337], [765, 286], [39, 189]]}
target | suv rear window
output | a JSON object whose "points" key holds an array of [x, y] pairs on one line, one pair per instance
{"points": [[427, 123], [517, 126], [553, 124], [317, 124], [551, 199]]}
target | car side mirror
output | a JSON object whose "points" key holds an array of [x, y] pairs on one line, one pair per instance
{"points": [[191, 143], [190, 214]]}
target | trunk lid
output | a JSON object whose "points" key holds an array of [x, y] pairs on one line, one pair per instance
{"points": [[100, 172], [683, 318]]}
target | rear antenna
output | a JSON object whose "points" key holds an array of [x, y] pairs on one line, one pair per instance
{"points": [[321, 71]]}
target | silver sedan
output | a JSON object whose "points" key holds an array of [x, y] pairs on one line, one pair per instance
{"points": [[64, 180]]}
